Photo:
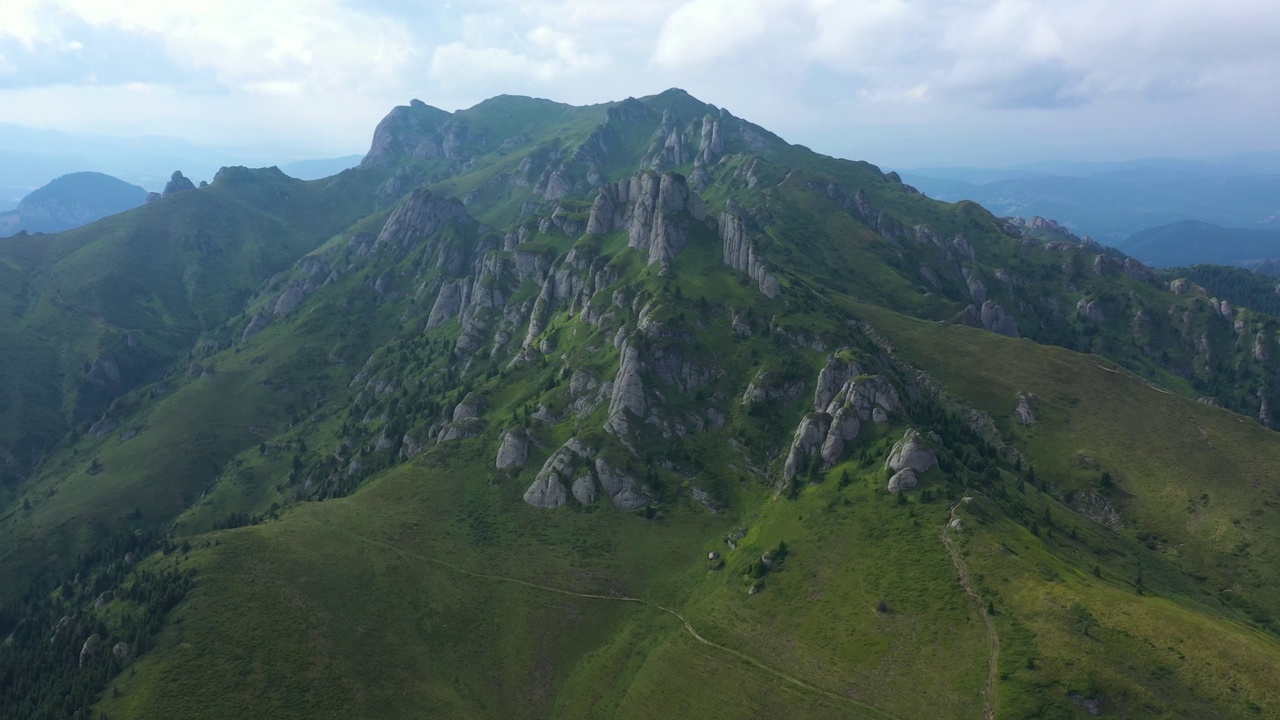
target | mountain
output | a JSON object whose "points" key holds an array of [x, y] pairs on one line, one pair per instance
{"points": [[1191, 242], [1110, 201], [626, 410], [71, 201], [30, 157], [317, 169]]}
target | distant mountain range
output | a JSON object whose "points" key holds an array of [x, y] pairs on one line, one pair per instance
{"points": [[1191, 242], [31, 157], [1111, 201], [71, 201]]}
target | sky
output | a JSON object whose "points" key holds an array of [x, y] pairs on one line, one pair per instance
{"points": [[904, 83]]}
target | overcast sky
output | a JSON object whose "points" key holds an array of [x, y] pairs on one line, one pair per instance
{"points": [[899, 82]]}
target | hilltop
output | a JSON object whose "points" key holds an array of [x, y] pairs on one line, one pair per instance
{"points": [[71, 201], [626, 410]]}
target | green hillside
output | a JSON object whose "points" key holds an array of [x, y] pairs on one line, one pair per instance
{"points": [[631, 410]]}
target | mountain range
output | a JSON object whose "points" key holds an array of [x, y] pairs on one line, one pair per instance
{"points": [[1112, 201], [625, 410]]}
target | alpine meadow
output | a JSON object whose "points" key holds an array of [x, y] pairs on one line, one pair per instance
{"points": [[629, 410]]}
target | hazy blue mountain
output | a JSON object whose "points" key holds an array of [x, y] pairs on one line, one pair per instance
{"points": [[322, 168], [31, 157], [1191, 242], [71, 201], [1111, 201]]}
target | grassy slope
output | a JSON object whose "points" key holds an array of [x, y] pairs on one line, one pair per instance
{"points": [[1192, 487], [384, 574]]}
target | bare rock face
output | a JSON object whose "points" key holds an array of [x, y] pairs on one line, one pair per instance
{"points": [[656, 211], [256, 325], [809, 437], [121, 651], [911, 452], [628, 391], [412, 128], [289, 299], [904, 479], [844, 400], [461, 429], [1090, 309], [470, 407], [584, 487], [1181, 286], [550, 487], [741, 254], [513, 449], [994, 318], [621, 488], [91, 645], [417, 218], [1023, 411]]}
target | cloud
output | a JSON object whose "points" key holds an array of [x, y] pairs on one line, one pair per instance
{"points": [[994, 53], [236, 43], [492, 50]]}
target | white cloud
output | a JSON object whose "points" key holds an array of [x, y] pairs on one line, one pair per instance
{"points": [[492, 50], [242, 43]]}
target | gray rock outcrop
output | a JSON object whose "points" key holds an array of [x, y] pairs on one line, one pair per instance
{"points": [[470, 407], [910, 453], [995, 318], [844, 400], [1023, 411], [90, 647], [656, 211], [513, 449], [289, 299], [904, 479], [177, 183], [741, 254], [419, 217], [257, 324], [1090, 309], [621, 488], [628, 391]]}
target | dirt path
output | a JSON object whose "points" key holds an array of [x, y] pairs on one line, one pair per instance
{"points": [[866, 710], [990, 691]]}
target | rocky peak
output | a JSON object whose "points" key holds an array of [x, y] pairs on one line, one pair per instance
{"points": [[177, 183], [402, 131]]}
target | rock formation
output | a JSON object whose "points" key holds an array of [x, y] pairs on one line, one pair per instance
{"points": [[177, 183], [655, 210], [909, 457], [740, 253]]}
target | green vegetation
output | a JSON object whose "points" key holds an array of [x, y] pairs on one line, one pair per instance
{"points": [[290, 498]]}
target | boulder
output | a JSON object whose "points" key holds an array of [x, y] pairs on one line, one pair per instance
{"points": [[911, 452], [904, 479], [1090, 309], [1023, 411], [513, 449], [90, 646], [121, 651], [994, 318], [470, 407]]}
